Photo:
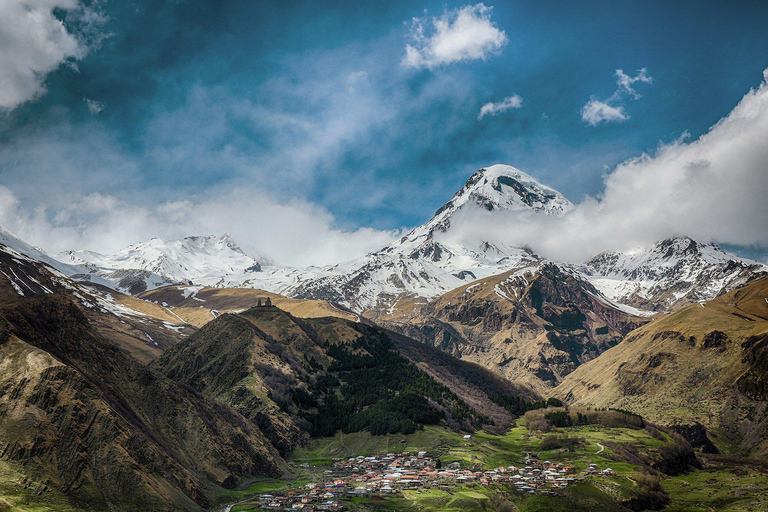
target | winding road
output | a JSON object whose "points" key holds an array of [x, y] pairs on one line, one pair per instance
{"points": [[601, 448]]}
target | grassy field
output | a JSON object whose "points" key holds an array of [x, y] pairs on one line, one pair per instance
{"points": [[342, 446], [721, 485]]}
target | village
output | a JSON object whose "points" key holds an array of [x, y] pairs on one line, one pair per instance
{"points": [[379, 477]]}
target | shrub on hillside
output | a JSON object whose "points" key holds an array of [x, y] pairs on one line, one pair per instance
{"points": [[648, 494], [559, 417], [555, 442], [676, 457]]}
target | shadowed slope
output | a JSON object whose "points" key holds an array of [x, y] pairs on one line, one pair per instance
{"points": [[107, 431]]}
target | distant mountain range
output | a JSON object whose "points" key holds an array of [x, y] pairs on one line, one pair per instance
{"points": [[426, 263], [538, 319]]}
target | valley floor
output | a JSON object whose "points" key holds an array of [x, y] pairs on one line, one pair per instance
{"points": [[723, 483]]}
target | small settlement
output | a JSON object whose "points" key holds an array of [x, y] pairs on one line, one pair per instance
{"points": [[390, 474]]}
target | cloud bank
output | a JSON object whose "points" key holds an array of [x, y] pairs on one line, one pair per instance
{"points": [[459, 35], [712, 189], [493, 109], [34, 42], [293, 233]]}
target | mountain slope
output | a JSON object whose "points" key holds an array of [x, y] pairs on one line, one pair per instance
{"points": [[315, 376], [106, 431], [140, 328], [432, 259], [534, 324], [670, 274], [704, 363]]}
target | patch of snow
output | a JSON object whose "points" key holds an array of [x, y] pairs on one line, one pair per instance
{"points": [[13, 283]]}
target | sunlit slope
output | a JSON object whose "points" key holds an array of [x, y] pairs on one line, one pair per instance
{"points": [[199, 305], [704, 363], [88, 421]]}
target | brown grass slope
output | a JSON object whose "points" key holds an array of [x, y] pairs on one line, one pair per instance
{"points": [[705, 363], [208, 302], [234, 362], [534, 326], [86, 418]]}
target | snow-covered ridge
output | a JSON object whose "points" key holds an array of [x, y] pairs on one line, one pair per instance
{"points": [[424, 263], [190, 258], [147, 265], [675, 271], [430, 260], [418, 264]]}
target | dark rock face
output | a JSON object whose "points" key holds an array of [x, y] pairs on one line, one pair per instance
{"points": [[554, 307], [754, 383], [715, 339], [696, 434]]}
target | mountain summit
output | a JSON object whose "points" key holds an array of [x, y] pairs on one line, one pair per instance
{"points": [[503, 187], [191, 259], [432, 259], [498, 188]]}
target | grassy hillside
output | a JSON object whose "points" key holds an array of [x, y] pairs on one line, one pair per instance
{"points": [[704, 363], [317, 376]]}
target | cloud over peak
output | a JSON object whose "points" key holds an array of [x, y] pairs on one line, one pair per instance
{"points": [[493, 109], [458, 35], [711, 189]]}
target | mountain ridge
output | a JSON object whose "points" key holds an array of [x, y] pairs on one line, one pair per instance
{"points": [[431, 260]]}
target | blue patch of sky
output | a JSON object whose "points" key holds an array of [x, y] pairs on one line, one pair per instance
{"points": [[309, 98]]}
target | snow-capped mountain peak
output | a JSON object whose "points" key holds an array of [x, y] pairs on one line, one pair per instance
{"points": [[427, 263], [669, 273], [191, 259], [503, 187], [492, 189]]}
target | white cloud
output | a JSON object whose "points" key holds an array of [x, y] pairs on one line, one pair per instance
{"points": [[94, 107], [625, 82], [459, 35], [35, 42], [492, 109], [291, 233], [597, 111], [712, 189]]}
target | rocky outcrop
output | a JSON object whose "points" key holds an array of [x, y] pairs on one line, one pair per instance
{"points": [[535, 324]]}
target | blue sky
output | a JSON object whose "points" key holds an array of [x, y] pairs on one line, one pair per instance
{"points": [[312, 104]]}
